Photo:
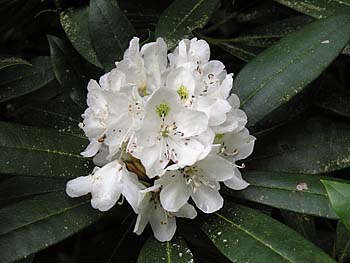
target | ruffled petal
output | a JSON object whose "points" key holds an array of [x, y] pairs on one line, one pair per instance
{"points": [[79, 186], [236, 182]]}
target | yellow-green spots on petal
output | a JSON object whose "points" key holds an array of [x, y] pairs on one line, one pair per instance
{"points": [[143, 89], [183, 92], [219, 136], [163, 110]]}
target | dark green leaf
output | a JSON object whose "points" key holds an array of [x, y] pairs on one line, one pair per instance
{"points": [[19, 186], [18, 80], [246, 235], [61, 114], [295, 192], [110, 31], [182, 17], [68, 69], [303, 224], [318, 8], [240, 51], [283, 70], [313, 146], [343, 243], [41, 152], [75, 23], [7, 62], [40, 221], [175, 250], [339, 195]]}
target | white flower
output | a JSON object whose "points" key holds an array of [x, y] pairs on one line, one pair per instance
{"points": [[168, 133], [200, 181], [144, 68], [236, 146], [106, 185], [163, 223]]}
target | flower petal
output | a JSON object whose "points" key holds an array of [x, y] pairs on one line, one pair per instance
{"points": [[174, 193], [79, 186], [187, 211], [91, 149], [216, 168], [236, 182], [207, 199], [163, 226]]}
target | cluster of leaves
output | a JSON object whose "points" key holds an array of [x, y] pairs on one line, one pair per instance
{"points": [[292, 83]]}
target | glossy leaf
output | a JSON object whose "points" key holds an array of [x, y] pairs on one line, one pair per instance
{"points": [[240, 51], [175, 250], [317, 145], [343, 243], [75, 22], [20, 187], [8, 62], [183, 16], [303, 224], [61, 114], [40, 221], [243, 234], [283, 70], [339, 195], [42, 152], [318, 8], [110, 31], [295, 192], [68, 70], [19, 80]]}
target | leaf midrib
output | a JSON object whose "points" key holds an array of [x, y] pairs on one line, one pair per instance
{"points": [[44, 218], [43, 150], [281, 70], [254, 237]]}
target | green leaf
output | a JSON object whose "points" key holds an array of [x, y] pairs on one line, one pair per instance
{"points": [[303, 224], [110, 31], [19, 80], [68, 70], [243, 234], [20, 187], [320, 9], [313, 146], [287, 191], [343, 243], [40, 221], [75, 22], [339, 195], [41, 152], [182, 17], [8, 62], [240, 51], [275, 76], [61, 114], [175, 250]]}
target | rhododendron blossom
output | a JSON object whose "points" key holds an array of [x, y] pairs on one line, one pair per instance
{"points": [[165, 130]]}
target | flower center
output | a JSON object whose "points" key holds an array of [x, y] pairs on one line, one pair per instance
{"points": [[143, 89], [183, 92], [163, 110]]}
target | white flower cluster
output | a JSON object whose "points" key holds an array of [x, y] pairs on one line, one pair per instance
{"points": [[163, 128]]}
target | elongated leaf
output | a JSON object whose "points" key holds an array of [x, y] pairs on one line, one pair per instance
{"points": [[8, 62], [110, 31], [303, 224], [246, 235], [68, 71], [285, 69], [19, 186], [41, 152], [75, 23], [19, 80], [295, 192], [240, 51], [175, 250], [318, 8], [343, 243], [40, 221], [182, 17], [314, 146], [61, 114], [339, 195]]}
